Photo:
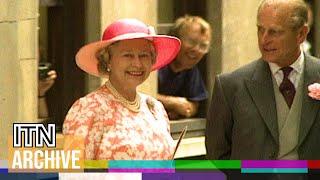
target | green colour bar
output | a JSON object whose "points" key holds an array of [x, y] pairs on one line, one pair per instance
{"points": [[208, 164], [95, 164], [274, 170]]}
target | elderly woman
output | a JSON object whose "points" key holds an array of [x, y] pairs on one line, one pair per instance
{"points": [[117, 122]]}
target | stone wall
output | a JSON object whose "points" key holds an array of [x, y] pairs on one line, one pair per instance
{"points": [[18, 62], [240, 43], [234, 35]]}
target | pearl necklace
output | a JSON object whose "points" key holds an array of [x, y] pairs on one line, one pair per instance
{"points": [[131, 105]]}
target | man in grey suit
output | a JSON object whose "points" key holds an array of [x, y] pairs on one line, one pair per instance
{"points": [[262, 110]]}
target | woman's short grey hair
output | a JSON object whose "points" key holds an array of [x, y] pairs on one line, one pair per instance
{"points": [[105, 55]]}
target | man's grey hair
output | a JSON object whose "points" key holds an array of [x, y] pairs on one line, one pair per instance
{"points": [[298, 11]]}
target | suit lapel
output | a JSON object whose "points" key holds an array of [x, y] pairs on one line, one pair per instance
{"points": [[310, 107], [261, 90]]}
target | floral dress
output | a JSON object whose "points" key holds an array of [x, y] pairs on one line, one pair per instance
{"points": [[113, 132]]}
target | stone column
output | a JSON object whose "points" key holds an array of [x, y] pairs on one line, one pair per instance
{"points": [[240, 42], [93, 33], [235, 40], [18, 62]]}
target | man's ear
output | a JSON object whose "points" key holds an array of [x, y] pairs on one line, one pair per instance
{"points": [[302, 33]]}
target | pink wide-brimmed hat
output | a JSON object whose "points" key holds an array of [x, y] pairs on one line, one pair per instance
{"points": [[167, 47]]}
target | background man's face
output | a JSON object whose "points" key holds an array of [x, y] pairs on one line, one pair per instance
{"points": [[193, 47], [278, 42]]}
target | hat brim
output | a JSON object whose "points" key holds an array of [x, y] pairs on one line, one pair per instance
{"points": [[167, 48]]}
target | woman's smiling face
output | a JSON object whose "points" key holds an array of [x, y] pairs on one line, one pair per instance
{"points": [[131, 62]]}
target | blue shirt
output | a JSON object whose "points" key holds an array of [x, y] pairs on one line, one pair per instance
{"points": [[187, 83]]}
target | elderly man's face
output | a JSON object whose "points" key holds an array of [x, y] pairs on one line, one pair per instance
{"points": [[278, 42]]}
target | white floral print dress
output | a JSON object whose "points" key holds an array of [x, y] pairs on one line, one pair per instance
{"points": [[113, 132]]}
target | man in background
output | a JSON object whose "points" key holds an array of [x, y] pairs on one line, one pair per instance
{"points": [[180, 85]]}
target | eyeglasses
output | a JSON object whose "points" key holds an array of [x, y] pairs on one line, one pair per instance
{"points": [[202, 46]]}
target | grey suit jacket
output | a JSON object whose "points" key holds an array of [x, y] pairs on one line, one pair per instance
{"points": [[242, 118]]}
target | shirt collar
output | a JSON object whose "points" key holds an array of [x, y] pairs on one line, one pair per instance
{"points": [[297, 65]]}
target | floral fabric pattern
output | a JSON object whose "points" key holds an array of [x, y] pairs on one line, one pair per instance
{"points": [[113, 132]]}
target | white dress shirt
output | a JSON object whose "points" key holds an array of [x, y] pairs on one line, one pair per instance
{"points": [[294, 75]]}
